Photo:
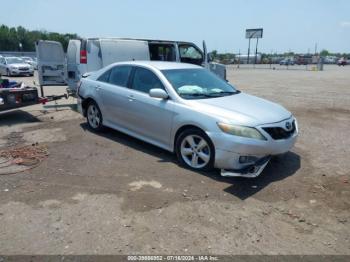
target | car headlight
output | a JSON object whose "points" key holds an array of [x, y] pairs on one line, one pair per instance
{"points": [[242, 131]]}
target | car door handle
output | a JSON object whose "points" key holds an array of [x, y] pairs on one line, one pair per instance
{"points": [[131, 98], [98, 88]]}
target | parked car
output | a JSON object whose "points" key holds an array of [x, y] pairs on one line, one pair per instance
{"points": [[287, 61], [186, 109], [342, 62], [87, 55], [15, 66], [31, 61]]}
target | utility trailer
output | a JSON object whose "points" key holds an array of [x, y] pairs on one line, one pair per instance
{"points": [[12, 98]]}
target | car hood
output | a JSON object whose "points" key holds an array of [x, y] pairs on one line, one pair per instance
{"points": [[19, 65], [242, 109]]}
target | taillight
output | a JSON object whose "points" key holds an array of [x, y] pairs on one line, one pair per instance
{"points": [[83, 57]]}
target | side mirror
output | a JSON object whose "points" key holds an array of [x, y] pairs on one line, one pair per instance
{"points": [[158, 93]]}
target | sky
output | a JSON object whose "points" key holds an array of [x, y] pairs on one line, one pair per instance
{"points": [[289, 25]]}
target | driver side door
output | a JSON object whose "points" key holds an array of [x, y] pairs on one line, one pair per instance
{"points": [[148, 116]]}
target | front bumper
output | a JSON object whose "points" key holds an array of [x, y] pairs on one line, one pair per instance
{"points": [[21, 72], [229, 149], [250, 171]]}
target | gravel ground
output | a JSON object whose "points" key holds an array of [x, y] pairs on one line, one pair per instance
{"points": [[108, 193]]}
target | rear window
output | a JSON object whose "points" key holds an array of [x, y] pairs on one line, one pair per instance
{"points": [[104, 77]]}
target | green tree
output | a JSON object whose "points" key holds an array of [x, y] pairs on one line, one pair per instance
{"points": [[324, 52], [21, 39]]}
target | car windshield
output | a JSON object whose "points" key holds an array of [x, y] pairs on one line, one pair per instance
{"points": [[198, 83], [14, 60]]}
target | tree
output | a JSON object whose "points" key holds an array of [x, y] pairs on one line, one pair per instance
{"points": [[324, 52], [21, 39]]}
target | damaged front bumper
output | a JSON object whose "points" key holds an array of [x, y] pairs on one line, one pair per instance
{"points": [[250, 171]]}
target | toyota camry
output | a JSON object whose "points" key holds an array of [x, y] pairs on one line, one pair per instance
{"points": [[186, 109]]}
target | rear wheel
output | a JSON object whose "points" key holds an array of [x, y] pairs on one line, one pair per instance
{"points": [[94, 116], [195, 150]]}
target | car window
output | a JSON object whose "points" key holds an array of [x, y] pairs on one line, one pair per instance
{"points": [[144, 80], [190, 54], [198, 83], [120, 75], [104, 77]]}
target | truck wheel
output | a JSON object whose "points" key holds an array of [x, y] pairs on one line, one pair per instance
{"points": [[94, 116]]}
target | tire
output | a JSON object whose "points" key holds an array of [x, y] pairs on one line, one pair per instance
{"points": [[195, 150], [94, 116], [8, 73]]}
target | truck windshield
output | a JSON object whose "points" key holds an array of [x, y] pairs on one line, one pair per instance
{"points": [[198, 83]]}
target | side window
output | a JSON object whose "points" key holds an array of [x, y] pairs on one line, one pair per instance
{"points": [[120, 75], [190, 54], [144, 80], [104, 77], [162, 52]]}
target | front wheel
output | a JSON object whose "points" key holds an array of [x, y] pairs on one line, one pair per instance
{"points": [[195, 150], [94, 116]]}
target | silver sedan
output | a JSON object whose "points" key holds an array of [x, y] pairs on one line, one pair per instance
{"points": [[188, 110]]}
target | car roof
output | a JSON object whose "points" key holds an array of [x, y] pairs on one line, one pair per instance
{"points": [[160, 65]]}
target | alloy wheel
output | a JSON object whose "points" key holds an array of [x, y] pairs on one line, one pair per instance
{"points": [[195, 151], [93, 115]]}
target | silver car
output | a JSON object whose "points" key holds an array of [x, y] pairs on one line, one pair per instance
{"points": [[15, 66], [188, 110]]}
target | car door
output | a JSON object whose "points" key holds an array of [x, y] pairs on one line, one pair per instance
{"points": [[114, 95], [148, 116], [51, 63]]}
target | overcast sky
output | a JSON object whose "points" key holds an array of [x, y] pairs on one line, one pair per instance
{"points": [[294, 25]]}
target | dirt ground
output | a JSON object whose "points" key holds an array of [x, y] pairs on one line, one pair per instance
{"points": [[108, 193]]}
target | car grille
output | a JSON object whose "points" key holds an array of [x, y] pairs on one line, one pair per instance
{"points": [[24, 68], [280, 133]]}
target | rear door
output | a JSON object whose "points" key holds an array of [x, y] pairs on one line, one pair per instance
{"points": [[119, 50], [73, 61], [51, 63], [114, 94]]}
